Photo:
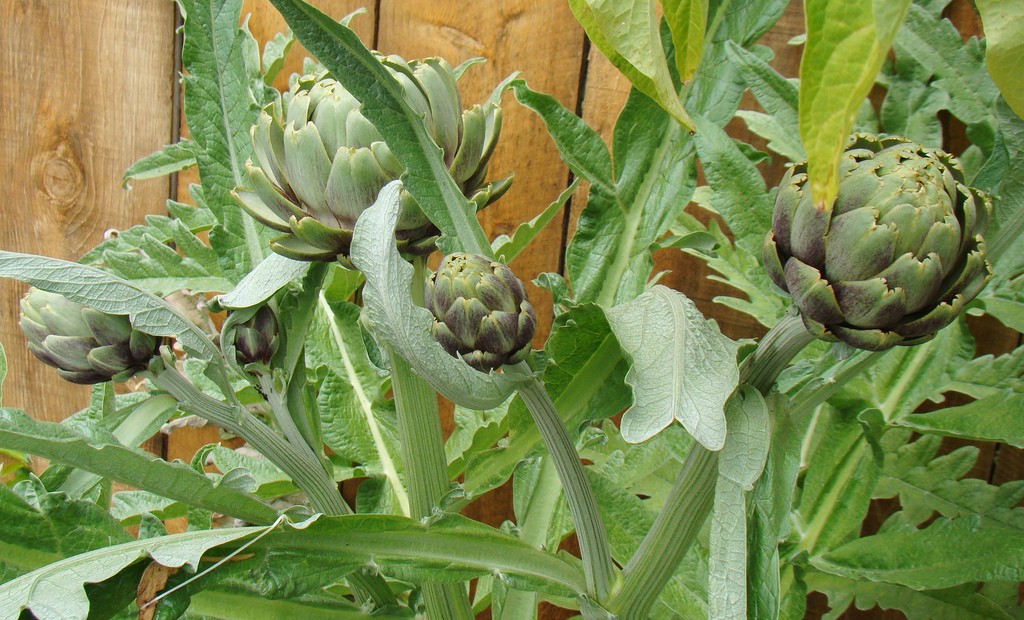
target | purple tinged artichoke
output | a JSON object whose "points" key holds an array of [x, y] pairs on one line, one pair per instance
{"points": [[84, 345], [897, 256], [480, 310], [319, 163], [255, 340]]}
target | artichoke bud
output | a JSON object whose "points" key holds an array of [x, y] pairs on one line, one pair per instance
{"points": [[318, 163], [255, 339], [84, 344], [897, 256], [480, 310]]}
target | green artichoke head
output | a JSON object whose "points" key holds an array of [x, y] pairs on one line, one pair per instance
{"points": [[480, 310], [894, 259], [319, 163], [84, 344]]}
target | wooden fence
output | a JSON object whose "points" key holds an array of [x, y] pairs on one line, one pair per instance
{"points": [[90, 86]]}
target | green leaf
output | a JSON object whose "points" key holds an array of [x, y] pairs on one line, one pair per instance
{"points": [[771, 503], [40, 527], [846, 46], [959, 68], [993, 418], [392, 317], [172, 158], [162, 228], [159, 268], [139, 469], [3, 371], [957, 603], [260, 284], [841, 474], [57, 591], [274, 53], [739, 465], [683, 368], [907, 376], [739, 195], [506, 249], [944, 554], [927, 484], [220, 109], [778, 96], [988, 375], [358, 424], [426, 177], [108, 293], [687, 20], [1004, 48], [627, 34]]}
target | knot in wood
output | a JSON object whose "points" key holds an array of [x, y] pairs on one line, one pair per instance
{"points": [[61, 176]]}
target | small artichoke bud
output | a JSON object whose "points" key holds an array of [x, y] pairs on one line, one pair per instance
{"points": [[255, 340], [84, 344], [894, 259], [318, 163], [480, 311]]}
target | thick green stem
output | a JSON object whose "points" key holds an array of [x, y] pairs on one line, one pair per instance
{"points": [[298, 461], [691, 498], [426, 467], [426, 472], [597, 559]]}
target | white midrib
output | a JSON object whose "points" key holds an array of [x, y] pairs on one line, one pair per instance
{"points": [[366, 406]]}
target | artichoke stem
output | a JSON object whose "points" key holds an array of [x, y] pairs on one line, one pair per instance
{"points": [[301, 465], [597, 560], [690, 500]]}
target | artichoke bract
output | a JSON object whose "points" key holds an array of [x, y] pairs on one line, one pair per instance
{"points": [[319, 163], [480, 310], [897, 256], [255, 340], [84, 344]]}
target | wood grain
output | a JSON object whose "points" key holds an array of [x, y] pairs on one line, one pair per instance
{"points": [[87, 86]]}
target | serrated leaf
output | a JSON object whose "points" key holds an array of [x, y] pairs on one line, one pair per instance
{"points": [[160, 227], [426, 177], [627, 34], [832, 86], [406, 328], [260, 284], [936, 44], [220, 109], [957, 603], [926, 484], [172, 158], [740, 194], [778, 96], [139, 469], [108, 293], [56, 591], [942, 555], [629, 207], [506, 249], [993, 418], [683, 368], [357, 423], [986, 375]]}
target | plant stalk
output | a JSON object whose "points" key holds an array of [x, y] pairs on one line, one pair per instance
{"points": [[597, 559], [426, 466], [298, 461], [692, 496]]}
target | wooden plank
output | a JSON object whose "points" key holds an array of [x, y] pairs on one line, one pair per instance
{"points": [[88, 85]]}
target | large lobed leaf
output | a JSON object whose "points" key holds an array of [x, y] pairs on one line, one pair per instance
{"points": [[683, 369], [110, 459]]}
